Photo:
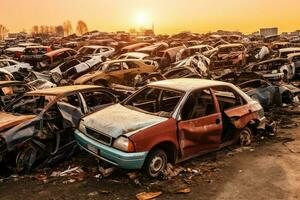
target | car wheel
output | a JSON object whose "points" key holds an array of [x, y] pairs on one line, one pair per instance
{"points": [[156, 162], [246, 137], [26, 159]]}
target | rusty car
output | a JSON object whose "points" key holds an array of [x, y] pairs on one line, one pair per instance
{"points": [[9, 90], [37, 128], [56, 57], [116, 71], [228, 56], [170, 121]]}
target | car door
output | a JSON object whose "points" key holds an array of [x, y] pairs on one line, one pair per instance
{"points": [[71, 109], [115, 72], [200, 126], [131, 70], [233, 106]]}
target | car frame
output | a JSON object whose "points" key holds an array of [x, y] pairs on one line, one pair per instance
{"points": [[133, 138]]}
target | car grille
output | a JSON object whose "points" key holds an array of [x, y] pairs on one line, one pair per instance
{"points": [[100, 137]]}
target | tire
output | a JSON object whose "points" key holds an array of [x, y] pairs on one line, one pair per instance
{"points": [[246, 137], [155, 163], [26, 159]]}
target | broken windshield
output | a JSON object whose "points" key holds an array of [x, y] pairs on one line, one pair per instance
{"points": [[156, 101], [30, 104]]}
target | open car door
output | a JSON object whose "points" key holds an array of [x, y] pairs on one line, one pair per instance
{"points": [[70, 113]]}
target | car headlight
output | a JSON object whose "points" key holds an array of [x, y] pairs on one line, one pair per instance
{"points": [[123, 144]]}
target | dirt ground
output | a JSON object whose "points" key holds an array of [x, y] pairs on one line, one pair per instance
{"points": [[269, 169]]}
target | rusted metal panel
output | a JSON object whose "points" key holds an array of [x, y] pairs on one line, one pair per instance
{"points": [[150, 137], [9, 120], [200, 134]]}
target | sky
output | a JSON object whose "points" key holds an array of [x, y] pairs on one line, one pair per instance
{"points": [[168, 16]]}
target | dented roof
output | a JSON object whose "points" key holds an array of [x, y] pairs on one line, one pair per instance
{"points": [[62, 90], [188, 84]]}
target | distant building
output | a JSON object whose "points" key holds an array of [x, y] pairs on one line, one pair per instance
{"points": [[268, 31]]}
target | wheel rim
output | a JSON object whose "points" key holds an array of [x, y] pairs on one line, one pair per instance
{"points": [[157, 164], [245, 138]]}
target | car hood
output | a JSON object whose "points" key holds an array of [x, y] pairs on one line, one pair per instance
{"points": [[86, 77], [9, 120], [117, 120]]}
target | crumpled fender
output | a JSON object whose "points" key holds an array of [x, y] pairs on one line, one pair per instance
{"points": [[20, 133]]}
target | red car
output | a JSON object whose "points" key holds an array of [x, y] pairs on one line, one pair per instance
{"points": [[170, 121]]}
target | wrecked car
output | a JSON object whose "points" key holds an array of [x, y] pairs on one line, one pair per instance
{"points": [[274, 69], [18, 69], [269, 95], [294, 58], [9, 90], [227, 56], [37, 128], [205, 50], [34, 54], [170, 121], [96, 50], [283, 53], [54, 58], [116, 71], [72, 69]]}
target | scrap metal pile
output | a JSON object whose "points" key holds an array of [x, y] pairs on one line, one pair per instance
{"points": [[139, 102]]}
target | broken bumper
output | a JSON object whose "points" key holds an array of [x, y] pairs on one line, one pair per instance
{"points": [[262, 123], [110, 154]]}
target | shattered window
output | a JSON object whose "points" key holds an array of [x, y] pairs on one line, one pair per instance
{"points": [[199, 104], [86, 51], [96, 99], [130, 65], [113, 67], [149, 100], [30, 104], [227, 98]]}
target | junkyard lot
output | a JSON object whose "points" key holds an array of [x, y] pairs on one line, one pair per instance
{"points": [[267, 170]]}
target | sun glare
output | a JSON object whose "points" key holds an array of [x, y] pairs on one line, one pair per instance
{"points": [[141, 19]]}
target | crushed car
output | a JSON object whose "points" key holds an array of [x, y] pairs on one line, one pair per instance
{"points": [[170, 121], [116, 71], [9, 90], [37, 128]]}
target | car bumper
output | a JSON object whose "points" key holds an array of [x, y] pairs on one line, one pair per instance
{"points": [[110, 154], [262, 123]]}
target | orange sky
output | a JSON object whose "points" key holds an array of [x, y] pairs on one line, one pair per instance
{"points": [[169, 16]]}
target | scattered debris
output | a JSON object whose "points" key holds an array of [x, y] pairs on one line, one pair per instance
{"points": [[147, 195]]}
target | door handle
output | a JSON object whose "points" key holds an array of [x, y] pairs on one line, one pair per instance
{"points": [[217, 121]]}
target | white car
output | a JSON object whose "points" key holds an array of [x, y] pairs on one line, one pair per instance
{"points": [[76, 67], [138, 55], [206, 50], [13, 66], [96, 50]]}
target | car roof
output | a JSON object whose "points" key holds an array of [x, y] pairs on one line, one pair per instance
{"points": [[230, 45], [56, 91], [35, 47], [293, 54], [136, 54], [55, 52], [95, 46], [121, 60], [188, 84], [4, 83], [289, 49]]}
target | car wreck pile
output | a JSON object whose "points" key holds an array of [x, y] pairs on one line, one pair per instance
{"points": [[140, 102]]}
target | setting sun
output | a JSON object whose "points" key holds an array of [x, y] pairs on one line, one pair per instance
{"points": [[142, 19]]}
